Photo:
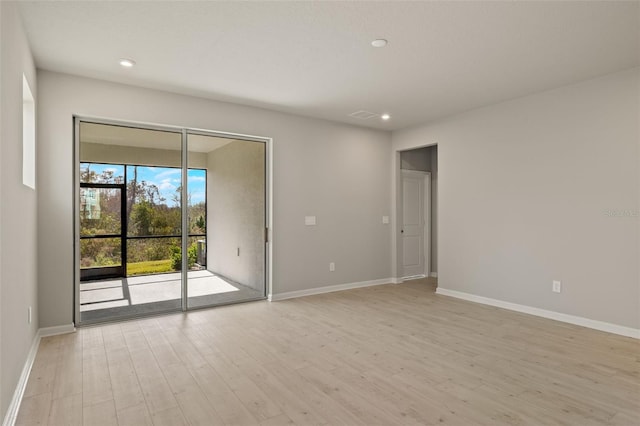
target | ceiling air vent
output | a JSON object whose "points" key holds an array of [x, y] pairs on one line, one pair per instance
{"points": [[363, 115]]}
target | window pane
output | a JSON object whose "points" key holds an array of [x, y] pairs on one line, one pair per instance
{"points": [[153, 200], [28, 135], [197, 195], [100, 210], [153, 256], [100, 252], [101, 173], [197, 248]]}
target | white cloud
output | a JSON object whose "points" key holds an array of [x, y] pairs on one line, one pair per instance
{"points": [[168, 172], [196, 179], [166, 185], [197, 197]]}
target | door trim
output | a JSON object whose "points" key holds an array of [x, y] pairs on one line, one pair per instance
{"points": [[427, 224]]}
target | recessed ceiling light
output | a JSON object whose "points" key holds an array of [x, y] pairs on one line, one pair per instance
{"points": [[127, 63], [380, 42], [385, 117]]}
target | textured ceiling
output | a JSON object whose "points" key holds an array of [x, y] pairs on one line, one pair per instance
{"points": [[315, 58]]}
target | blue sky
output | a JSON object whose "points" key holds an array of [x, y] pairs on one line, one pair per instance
{"points": [[167, 179]]}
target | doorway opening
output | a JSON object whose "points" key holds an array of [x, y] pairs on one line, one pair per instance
{"points": [[417, 204], [147, 194]]}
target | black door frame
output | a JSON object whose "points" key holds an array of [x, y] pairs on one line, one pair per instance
{"points": [[99, 273]]}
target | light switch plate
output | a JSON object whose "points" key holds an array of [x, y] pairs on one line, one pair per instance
{"points": [[309, 220], [385, 219]]}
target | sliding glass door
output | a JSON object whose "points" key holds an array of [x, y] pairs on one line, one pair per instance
{"points": [[167, 219], [227, 206]]}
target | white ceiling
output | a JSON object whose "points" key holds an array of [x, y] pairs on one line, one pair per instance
{"points": [[315, 58]]}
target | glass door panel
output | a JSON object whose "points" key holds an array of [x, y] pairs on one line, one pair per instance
{"points": [[226, 220], [130, 221]]}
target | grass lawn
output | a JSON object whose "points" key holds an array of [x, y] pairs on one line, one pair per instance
{"points": [[149, 267]]}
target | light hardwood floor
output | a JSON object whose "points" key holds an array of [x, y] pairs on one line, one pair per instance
{"points": [[391, 354]]}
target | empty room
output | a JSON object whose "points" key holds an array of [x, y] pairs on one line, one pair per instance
{"points": [[320, 213]]}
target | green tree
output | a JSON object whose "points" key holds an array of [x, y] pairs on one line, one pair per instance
{"points": [[142, 218], [176, 257]]}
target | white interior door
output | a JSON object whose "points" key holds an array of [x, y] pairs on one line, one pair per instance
{"points": [[415, 224]]}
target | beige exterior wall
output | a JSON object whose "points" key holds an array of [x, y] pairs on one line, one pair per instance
{"points": [[236, 212]]}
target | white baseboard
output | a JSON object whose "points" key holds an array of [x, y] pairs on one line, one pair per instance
{"points": [[59, 329], [558, 316], [14, 406], [413, 277], [327, 289]]}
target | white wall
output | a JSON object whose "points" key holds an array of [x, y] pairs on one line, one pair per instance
{"points": [[3, 391], [236, 212], [337, 172], [18, 256], [525, 188]]}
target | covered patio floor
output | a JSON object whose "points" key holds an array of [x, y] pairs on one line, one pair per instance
{"points": [[128, 297]]}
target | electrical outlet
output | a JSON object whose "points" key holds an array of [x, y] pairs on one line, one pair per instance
{"points": [[29, 314], [385, 220], [556, 287], [332, 267]]}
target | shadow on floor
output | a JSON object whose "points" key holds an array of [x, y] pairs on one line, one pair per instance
{"points": [[136, 296]]}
